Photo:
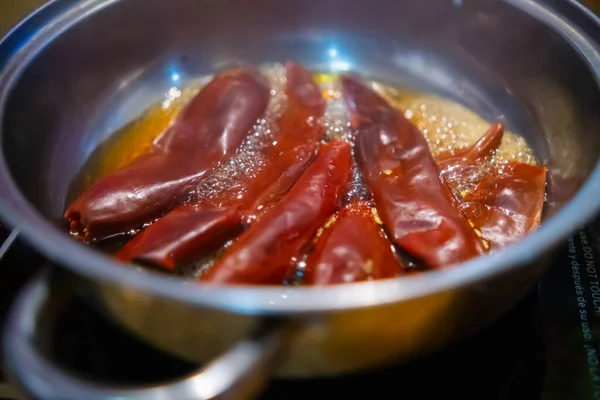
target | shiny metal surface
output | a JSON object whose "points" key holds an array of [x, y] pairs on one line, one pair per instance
{"points": [[54, 112], [76, 71]]}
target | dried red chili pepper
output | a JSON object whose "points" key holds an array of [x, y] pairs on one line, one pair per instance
{"points": [[504, 204], [298, 140], [190, 231], [464, 166], [415, 206], [263, 254], [167, 246], [210, 128], [353, 248], [482, 148], [513, 206]]}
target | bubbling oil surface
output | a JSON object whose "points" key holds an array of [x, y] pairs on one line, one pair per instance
{"points": [[228, 180], [446, 125], [449, 126]]}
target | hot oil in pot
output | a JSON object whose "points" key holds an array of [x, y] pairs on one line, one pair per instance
{"points": [[447, 126]]}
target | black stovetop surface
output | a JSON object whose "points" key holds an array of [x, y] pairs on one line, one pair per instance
{"points": [[538, 350]]}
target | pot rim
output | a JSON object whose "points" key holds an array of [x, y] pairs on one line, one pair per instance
{"points": [[56, 16]]}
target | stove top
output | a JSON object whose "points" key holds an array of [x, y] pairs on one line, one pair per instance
{"points": [[545, 348]]}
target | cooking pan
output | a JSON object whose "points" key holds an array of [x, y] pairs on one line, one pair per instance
{"points": [[75, 71]]}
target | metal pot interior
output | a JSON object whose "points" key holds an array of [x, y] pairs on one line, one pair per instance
{"points": [[119, 57]]}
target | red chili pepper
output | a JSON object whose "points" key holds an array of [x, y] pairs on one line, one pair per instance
{"points": [[415, 206], [507, 206], [353, 249], [208, 130], [167, 246], [504, 205], [298, 140], [463, 166], [190, 231], [264, 253], [519, 195], [484, 147]]}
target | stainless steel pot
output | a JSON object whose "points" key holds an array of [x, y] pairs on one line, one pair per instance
{"points": [[74, 71]]}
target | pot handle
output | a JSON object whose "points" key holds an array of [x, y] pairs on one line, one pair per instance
{"points": [[240, 373]]}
